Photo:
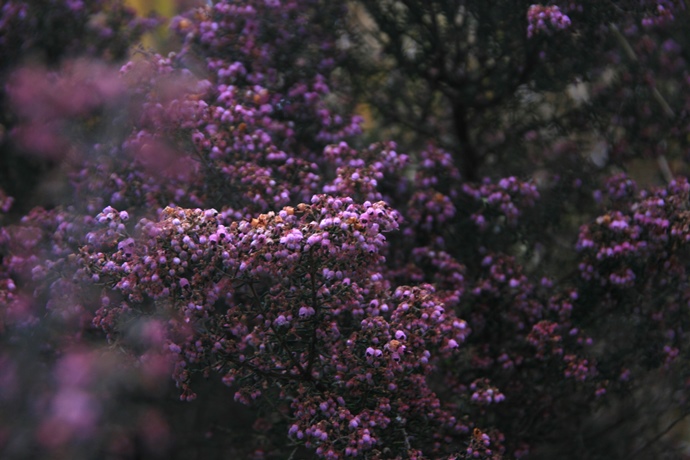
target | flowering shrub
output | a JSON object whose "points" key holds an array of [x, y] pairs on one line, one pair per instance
{"points": [[215, 235]]}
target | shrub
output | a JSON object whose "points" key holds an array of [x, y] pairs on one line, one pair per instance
{"points": [[222, 236]]}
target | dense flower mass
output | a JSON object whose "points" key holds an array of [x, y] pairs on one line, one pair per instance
{"points": [[294, 285], [203, 254]]}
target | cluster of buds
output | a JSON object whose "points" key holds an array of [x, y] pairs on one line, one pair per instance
{"points": [[545, 19]]}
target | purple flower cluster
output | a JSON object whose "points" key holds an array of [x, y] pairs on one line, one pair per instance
{"points": [[662, 12], [635, 252], [291, 284], [545, 20], [504, 201], [48, 103], [435, 188]]}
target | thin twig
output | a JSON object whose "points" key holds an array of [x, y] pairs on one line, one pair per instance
{"points": [[658, 97], [659, 435]]}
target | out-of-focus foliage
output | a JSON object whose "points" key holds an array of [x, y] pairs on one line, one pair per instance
{"points": [[511, 87]]}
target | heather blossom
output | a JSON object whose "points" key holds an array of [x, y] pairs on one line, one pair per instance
{"points": [[545, 19]]}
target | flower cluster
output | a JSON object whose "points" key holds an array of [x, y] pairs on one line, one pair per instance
{"points": [[292, 299], [366, 174], [545, 19], [254, 126], [435, 186], [48, 104], [389, 356], [506, 199], [661, 12]]}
